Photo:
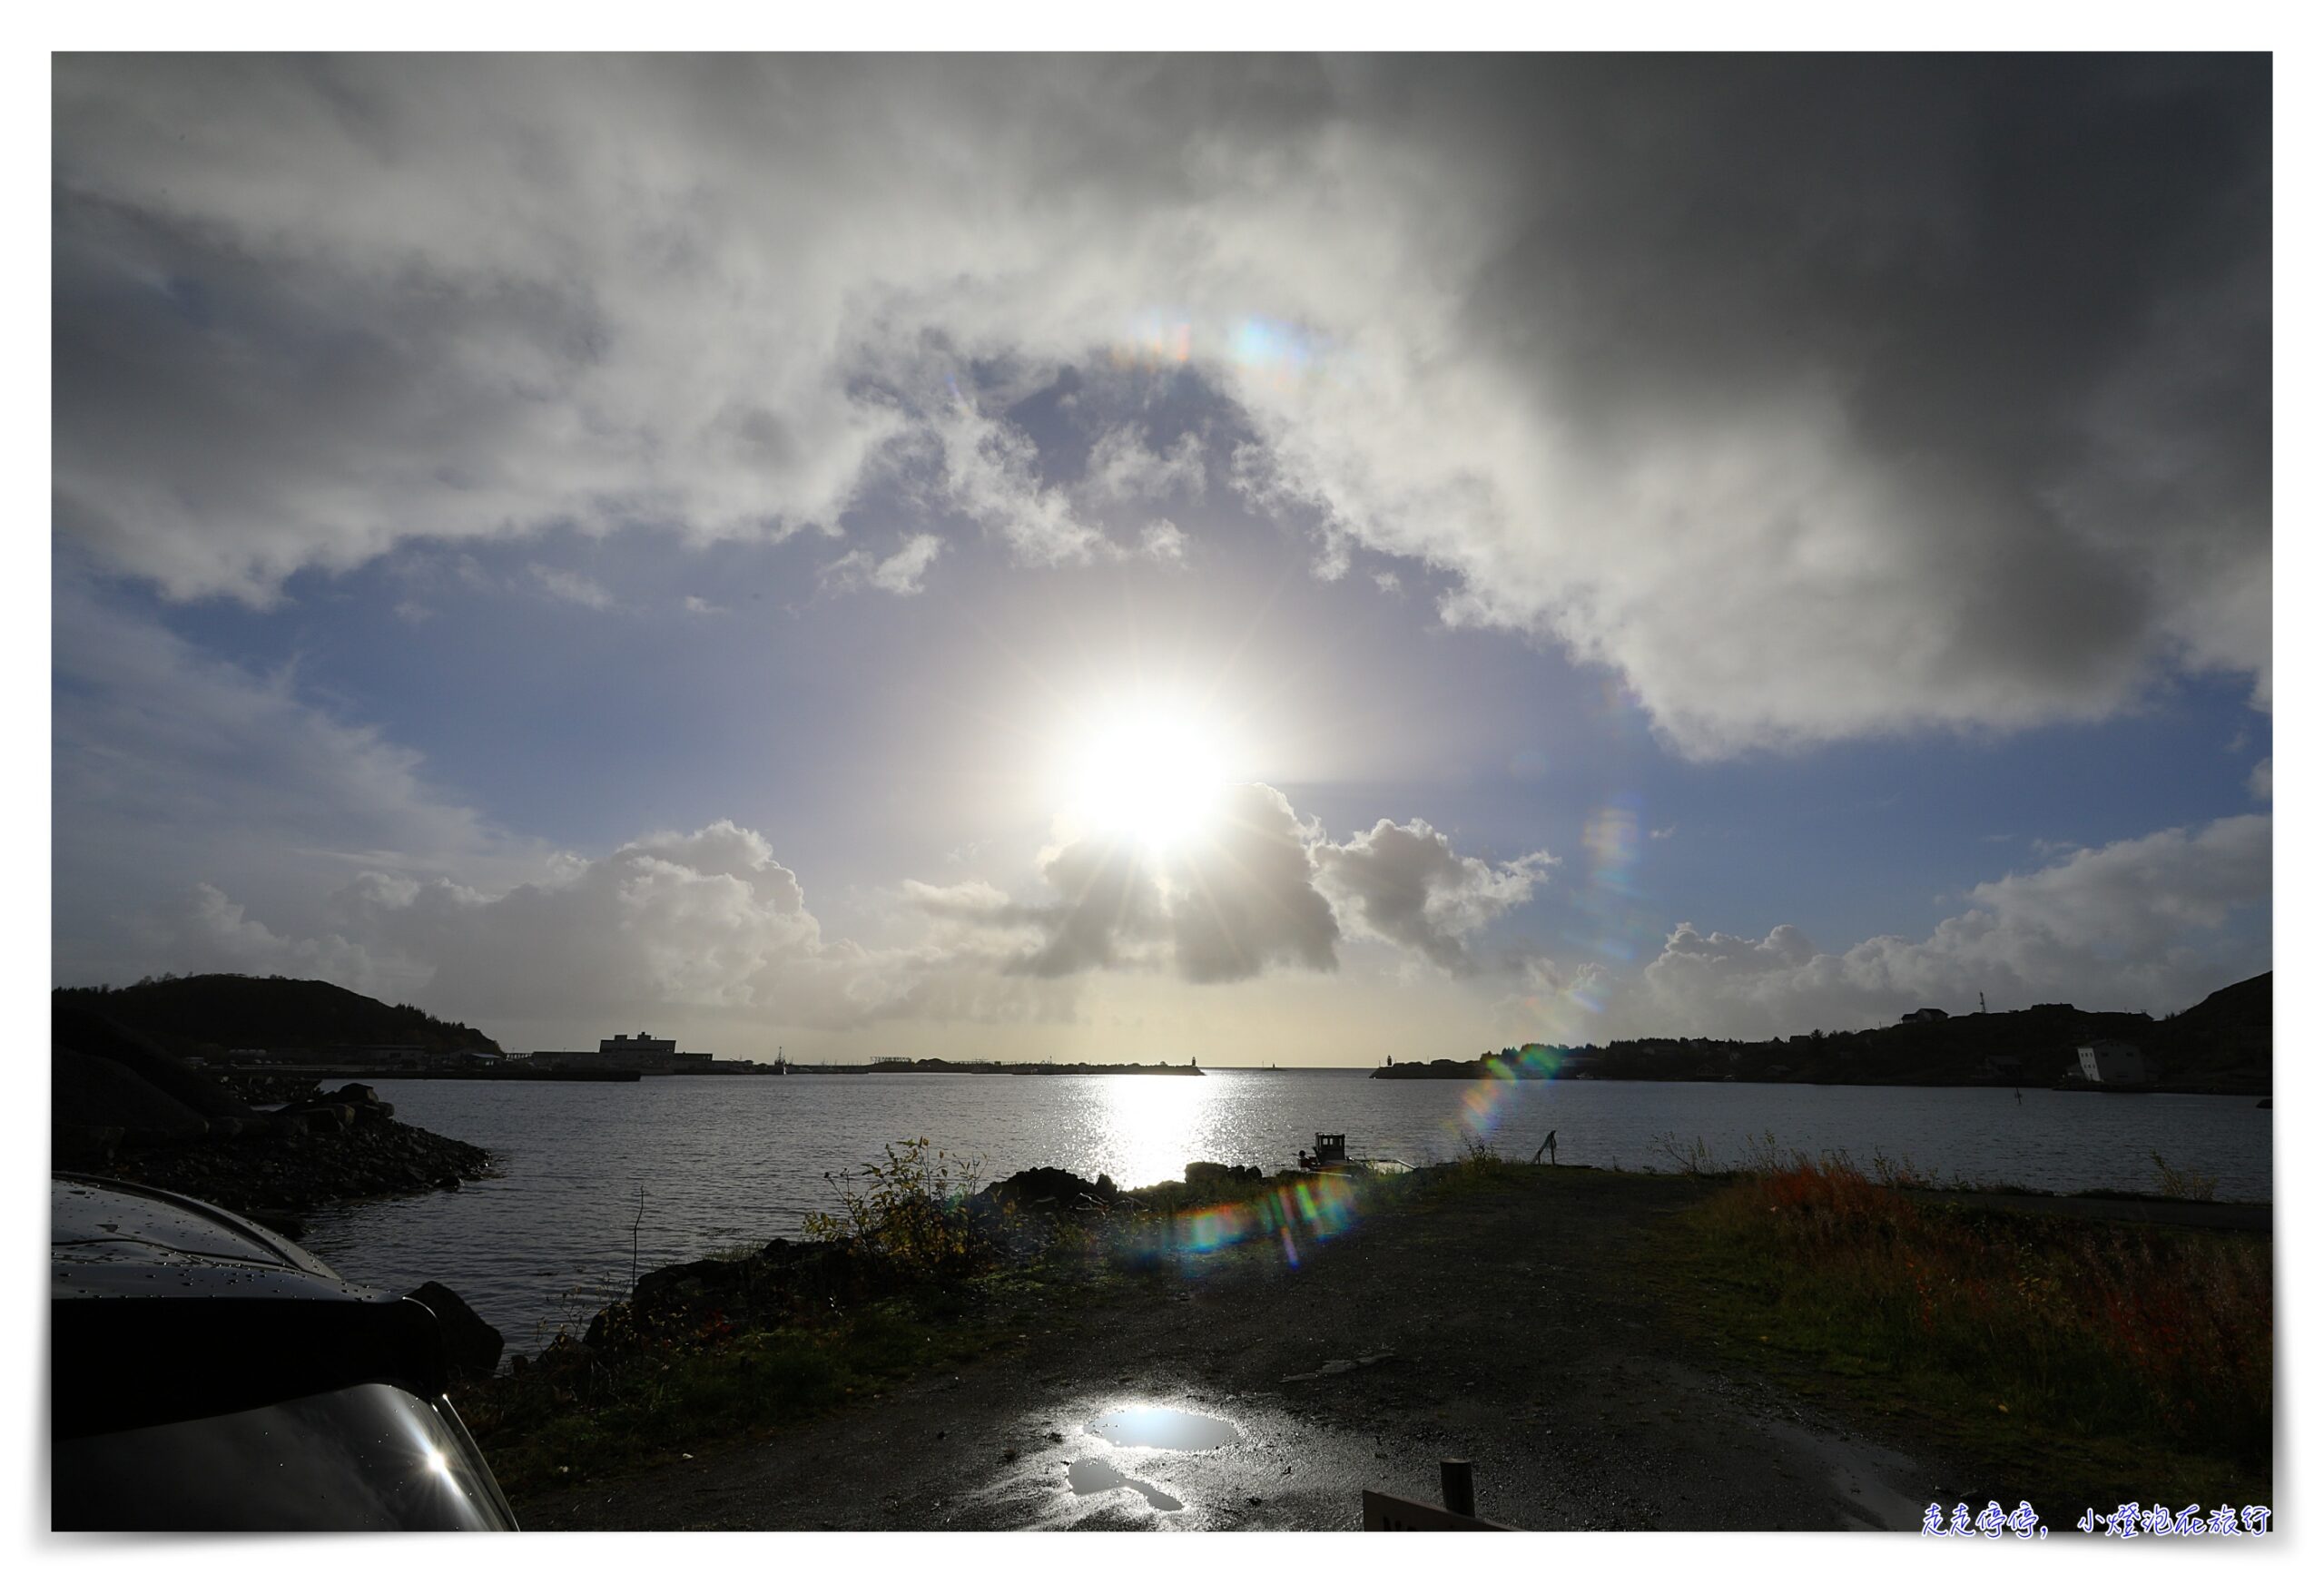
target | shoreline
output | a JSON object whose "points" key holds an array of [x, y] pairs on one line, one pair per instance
{"points": [[278, 1167], [1545, 1321]]}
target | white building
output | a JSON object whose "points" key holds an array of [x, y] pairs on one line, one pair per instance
{"points": [[2113, 1063]]}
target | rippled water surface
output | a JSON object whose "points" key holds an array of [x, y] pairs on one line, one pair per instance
{"points": [[728, 1161]]}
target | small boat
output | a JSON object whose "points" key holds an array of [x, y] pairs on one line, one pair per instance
{"points": [[1331, 1156]]}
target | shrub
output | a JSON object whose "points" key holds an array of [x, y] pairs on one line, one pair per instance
{"points": [[2173, 1182], [910, 1209]]}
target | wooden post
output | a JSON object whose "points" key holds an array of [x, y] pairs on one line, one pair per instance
{"points": [[1453, 1474]]}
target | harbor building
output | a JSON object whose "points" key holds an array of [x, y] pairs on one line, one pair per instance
{"points": [[2112, 1063], [641, 1052]]}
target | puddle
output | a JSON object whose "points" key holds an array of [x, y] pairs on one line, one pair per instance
{"points": [[1868, 1481], [1092, 1475], [1263, 1468], [1166, 1429]]}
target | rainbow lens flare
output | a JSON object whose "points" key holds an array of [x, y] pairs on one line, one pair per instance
{"points": [[1293, 1215]]}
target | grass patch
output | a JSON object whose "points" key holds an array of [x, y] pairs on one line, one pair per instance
{"points": [[2072, 1360], [575, 1415]]}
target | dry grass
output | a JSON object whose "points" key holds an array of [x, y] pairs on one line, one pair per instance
{"points": [[2095, 1328]]}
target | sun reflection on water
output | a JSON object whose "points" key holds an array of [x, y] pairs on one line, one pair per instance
{"points": [[1147, 1123]]}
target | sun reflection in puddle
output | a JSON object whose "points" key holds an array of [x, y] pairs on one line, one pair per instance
{"points": [[1167, 1428]]}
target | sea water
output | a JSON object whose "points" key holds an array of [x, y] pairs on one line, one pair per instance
{"points": [[601, 1177]]}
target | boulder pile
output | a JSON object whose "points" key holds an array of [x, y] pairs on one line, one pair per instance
{"points": [[122, 1107], [709, 1298]]}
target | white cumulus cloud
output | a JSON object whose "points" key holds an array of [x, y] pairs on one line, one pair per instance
{"points": [[1403, 883], [2145, 924]]}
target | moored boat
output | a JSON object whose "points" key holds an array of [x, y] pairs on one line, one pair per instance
{"points": [[1331, 1156]]}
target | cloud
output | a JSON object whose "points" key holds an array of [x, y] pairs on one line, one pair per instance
{"points": [[1110, 904], [900, 574], [1403, 883], [1226, 907], [2263, 779], [1122, 470], [573, 587], [171, 770], [1164, 541], [202, 931], [991, 472], [1262, 889], [1246, 899], [1820, 398], [2146, 924], [705, 920]]}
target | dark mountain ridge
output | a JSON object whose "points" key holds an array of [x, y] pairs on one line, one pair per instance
{"points": [[2225, 1044], [208, 1014]]}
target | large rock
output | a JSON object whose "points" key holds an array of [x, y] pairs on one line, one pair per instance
{"points": [[364, 1101], [694, 1299], [1045, 1187], [89, 1033], [322, 1118], [86, 1091], [471, 1347]]}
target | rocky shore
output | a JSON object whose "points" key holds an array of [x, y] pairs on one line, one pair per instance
{"points": [[122, 1107], [278, 1167]]}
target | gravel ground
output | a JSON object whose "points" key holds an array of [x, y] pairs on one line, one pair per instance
{"points": [[1505, 1327]]}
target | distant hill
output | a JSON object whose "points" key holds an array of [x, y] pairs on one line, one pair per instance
{"points": [[2225, 1044], [209, 1013], [2232, 1029]]}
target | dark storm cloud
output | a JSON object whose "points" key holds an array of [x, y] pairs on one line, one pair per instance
{"points": [[2028, 297], [1819, 397]]}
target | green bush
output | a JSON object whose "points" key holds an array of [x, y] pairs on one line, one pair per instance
{"points": [[910, 1208]]}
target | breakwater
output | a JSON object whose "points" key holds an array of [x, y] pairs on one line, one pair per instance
{"points": [[1003, 1069]]}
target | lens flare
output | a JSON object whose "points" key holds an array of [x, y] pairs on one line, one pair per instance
{"points": [[1292, 1215], [1275, 351], [1484, 1102], [1157, 338]]}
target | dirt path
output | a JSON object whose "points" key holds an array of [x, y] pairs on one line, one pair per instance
{"points": [[1506, 1327]]}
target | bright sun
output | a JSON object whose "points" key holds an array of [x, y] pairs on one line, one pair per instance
{"points": [[1152, 772]]}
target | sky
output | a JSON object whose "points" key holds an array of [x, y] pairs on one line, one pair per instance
{"points": [[1235, 559]]}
